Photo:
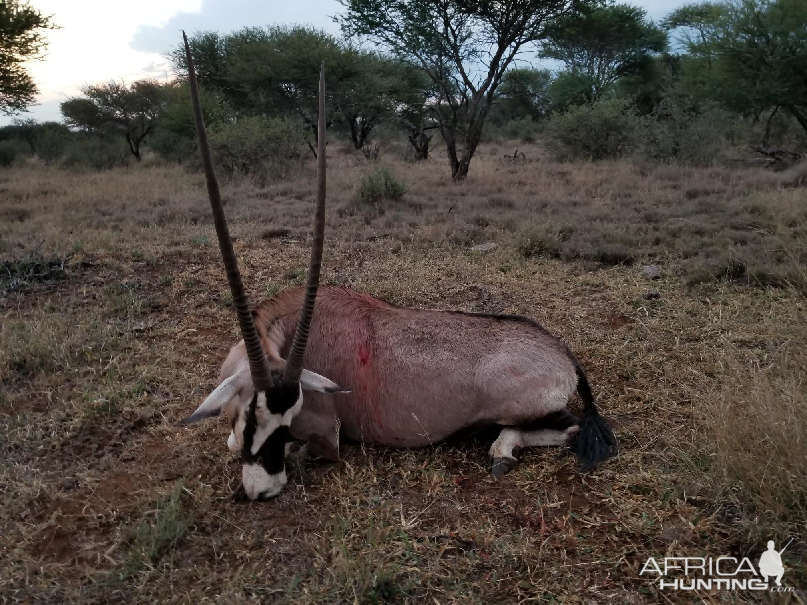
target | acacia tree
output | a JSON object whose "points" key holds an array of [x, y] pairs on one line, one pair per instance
{"points": [[133, 111], [602, 44], [695, 23], [274, 71], [464, 47], [374, 90], [753, 53], [412, 109], [21, 39]]}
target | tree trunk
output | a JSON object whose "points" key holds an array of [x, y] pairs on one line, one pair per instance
{"points": [[134, 146], [766, 139], [472, 136], [356, 134], [420, 143], [451, 149], [800, 118], [477, 111], [462, 168], [360, 133]]}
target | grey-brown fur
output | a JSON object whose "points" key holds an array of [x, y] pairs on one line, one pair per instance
{"points": [[416, 376]]}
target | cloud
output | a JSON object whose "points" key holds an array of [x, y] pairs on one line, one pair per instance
{"points": [[43, 111], [159, 70], [156, 67], [658, 9], [230, 15]]}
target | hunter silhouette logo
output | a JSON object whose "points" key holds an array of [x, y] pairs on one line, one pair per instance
{"points": [[770, 563], [720, 573]]}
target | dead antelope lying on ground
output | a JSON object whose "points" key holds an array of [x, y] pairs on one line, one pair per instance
{"points": [[415, 377]]}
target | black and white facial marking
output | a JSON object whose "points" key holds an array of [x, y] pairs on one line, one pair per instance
{"points": [[260, 423], [260, 433]]}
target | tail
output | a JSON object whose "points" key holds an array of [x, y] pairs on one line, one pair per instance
{"points": [[595, 441]]}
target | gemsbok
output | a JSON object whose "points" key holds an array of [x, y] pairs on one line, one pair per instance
{"points": [[411, 377]]}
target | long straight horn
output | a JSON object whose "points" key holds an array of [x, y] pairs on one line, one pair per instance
{"points": [[258, 367], [294, 363]]}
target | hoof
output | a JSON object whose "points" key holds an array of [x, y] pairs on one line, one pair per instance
{"points": [[502, 466], [571, 434]]}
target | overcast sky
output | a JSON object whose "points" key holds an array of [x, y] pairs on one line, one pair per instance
{"points": [[101, 40]]}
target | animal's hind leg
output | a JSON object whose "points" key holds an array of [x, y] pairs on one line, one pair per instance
{"points": [[511, 439], [503, 451]]}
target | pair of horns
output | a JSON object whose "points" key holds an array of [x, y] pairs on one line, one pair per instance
{"points": [[259, 369]]}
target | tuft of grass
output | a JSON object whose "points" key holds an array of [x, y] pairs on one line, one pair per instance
{"points": [[360, 561], [21, 273], [52, 345], [535, 244], [378, 186], [156, 535]]}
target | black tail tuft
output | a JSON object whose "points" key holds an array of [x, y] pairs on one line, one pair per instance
{"points": [[595, 441]]}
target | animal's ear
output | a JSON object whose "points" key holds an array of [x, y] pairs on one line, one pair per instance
{"points": [[216, 401], [311, 381]]}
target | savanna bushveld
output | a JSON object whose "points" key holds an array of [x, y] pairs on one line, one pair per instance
{"points": [[636, 187]]}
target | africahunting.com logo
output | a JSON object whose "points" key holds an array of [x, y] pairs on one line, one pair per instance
{"points": [[721, 573]]}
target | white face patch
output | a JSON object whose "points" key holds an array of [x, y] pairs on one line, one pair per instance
{"points": [[258, 483], [232, 443]]}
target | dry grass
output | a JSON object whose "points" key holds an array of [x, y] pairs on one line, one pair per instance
{"points": [[104, 499], [758, 420]]}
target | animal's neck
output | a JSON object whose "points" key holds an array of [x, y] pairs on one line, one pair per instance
{"points": [[276, 321]]}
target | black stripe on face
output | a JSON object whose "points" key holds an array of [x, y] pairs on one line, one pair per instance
{"points": [[272, 452], [282, 397], [272, 455], [250, 426]]}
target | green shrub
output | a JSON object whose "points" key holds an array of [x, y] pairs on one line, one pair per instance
{"points": [[674, 134], [11, 151], [95, 153], [608, 128], [173, 147], [8, 153], [539, 242], [522, 129], [380, 184], [569, 89], [50, 146], [174, 139], [256, 146]]}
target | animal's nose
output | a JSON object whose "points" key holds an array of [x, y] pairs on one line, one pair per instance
{"points": [[268, 495], [240, 495]]}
